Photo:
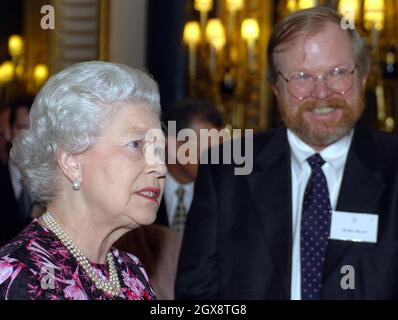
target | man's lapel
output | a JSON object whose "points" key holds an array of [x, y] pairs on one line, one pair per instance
{"points": [[270, 187], [360, 190]]}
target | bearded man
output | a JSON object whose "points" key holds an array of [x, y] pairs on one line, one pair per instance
{"points": [[317, 217]]}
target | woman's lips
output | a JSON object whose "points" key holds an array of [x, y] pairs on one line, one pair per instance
{"points": [[152, 194]]}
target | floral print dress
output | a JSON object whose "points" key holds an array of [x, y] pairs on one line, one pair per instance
{"points": [[36, 265]]}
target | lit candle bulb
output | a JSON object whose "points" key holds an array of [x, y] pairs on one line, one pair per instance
{"points": [[15, 45], [215, 35], [203, 6], [250, 32], [192, 38], [233, 6], [374, 14], [305, 4], [40, 74]]}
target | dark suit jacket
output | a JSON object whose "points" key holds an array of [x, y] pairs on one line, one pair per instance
{"points": [[10, 220], [238, 237]]}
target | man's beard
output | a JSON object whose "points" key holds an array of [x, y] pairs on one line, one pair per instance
{"points": [[325, 132]]}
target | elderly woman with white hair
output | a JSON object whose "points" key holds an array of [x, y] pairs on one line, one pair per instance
{"points": [[93, 157]]}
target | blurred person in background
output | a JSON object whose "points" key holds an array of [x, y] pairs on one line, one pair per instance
{"points": [[194, 114], [158, 245], [14, 198]]}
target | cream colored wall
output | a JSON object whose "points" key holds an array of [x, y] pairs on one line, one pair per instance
{"points": [[127, 37]]}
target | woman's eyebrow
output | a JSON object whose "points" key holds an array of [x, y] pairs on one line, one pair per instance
{"points": [[135, 131]]}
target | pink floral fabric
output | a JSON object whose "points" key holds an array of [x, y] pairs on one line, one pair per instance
{"points": [[36, 265]]}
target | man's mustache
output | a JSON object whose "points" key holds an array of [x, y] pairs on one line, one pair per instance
{"points": [[333, 103]]}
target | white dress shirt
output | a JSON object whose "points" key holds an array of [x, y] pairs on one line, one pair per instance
{"points": [[171, 199], [16, 177], [335, 157]]}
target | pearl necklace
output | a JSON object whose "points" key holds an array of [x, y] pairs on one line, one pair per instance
{"points": [[111, 287]]}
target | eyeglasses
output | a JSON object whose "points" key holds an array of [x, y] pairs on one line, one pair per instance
{"points": [[301, 85]]}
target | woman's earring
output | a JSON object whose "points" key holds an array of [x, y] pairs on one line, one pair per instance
{"points": [[76, 185]]}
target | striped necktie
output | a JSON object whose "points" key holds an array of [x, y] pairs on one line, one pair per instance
{"points": [[180, 214]]}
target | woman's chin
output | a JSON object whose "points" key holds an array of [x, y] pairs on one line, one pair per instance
{"points": [[143, 220]]}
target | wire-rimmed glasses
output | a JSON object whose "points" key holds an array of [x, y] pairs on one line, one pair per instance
{"points": [[300, 85]]}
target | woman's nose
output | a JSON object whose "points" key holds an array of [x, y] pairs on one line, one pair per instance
{"points": [[155, 161]]}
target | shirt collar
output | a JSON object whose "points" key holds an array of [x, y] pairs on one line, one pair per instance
{"points": [[14, 171], [335, 154], [171, 185], [16, 177]]}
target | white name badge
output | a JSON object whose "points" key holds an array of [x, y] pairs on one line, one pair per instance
{"points": [[358, 227]]}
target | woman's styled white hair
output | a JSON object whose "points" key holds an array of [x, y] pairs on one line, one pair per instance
{"points": [[69, 113]]}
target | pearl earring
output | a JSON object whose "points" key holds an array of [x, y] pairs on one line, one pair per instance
{"points": [[76, 185]]}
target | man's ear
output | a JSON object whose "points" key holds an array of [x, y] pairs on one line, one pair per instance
{"points": [[364, 80], [70, 165], [275, 89]]}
